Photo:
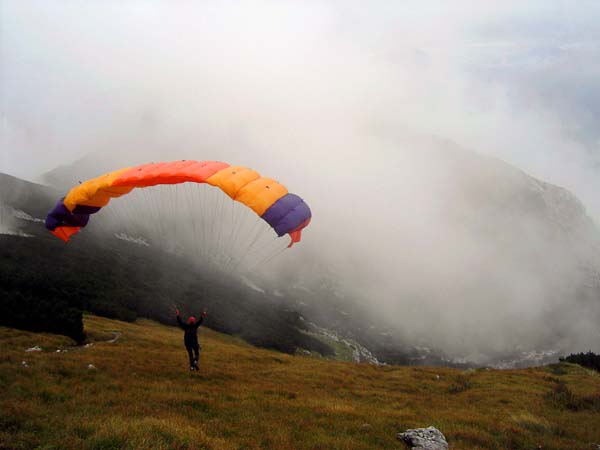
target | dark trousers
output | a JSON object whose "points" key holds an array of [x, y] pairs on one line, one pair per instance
{"points": [[193, 355]]}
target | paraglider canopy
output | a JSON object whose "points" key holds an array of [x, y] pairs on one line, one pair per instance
{"points": [[286, 213]]}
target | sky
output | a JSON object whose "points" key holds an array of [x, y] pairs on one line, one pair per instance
{"points": [[517, 80], [333, 97]]}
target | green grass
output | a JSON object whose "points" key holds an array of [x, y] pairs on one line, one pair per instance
{"points": [[141, 396]]}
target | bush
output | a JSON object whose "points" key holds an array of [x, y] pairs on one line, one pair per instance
{"points": [[30, 312], [589, 360]]}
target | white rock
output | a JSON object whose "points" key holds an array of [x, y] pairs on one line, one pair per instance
{"points": [[429, 438]]}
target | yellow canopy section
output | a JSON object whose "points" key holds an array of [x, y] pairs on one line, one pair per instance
{"points": [[248, 187], [97, 191]]}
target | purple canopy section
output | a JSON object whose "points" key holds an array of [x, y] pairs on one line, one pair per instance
{"points": [[287, 214], [60, 216]]}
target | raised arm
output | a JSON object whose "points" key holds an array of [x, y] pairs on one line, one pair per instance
{"points": [[179, 321], [201, 319]]}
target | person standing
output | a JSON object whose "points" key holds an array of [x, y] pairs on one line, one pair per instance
{"points": [[190, 337]]}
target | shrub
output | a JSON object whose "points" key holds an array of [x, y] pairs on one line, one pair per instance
{"points": [[589, 360]]}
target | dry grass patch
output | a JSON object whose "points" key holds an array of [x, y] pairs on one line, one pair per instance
{"points": [[141, 396], [529, 421]]}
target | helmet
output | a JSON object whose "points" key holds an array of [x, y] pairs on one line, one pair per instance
{"points": [[192, 319]]}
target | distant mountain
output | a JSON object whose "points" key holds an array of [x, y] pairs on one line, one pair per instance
{"points": [[35, 199], [65, 176], [482, 265], [485, 265]]}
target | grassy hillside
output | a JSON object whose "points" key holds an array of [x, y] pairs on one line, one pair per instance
{"points": [[140, 395]]}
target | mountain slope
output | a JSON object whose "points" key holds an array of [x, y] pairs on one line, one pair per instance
{"points": [[139, 394], [44, 284], [454, 258], [462, 256]]}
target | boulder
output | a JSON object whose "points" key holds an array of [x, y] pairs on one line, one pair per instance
{"points": [[429, 438]]}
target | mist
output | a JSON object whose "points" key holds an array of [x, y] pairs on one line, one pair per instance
{"points": [[372, 114]]}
